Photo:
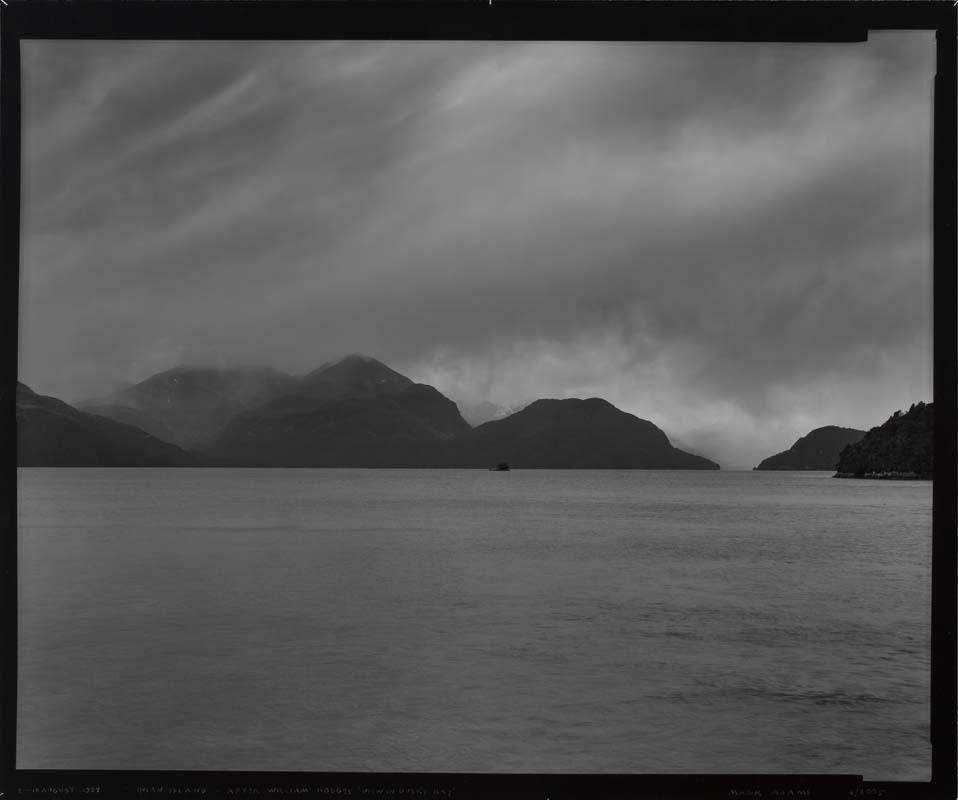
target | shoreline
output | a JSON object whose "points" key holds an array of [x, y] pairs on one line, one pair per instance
{"points": [[885, 475]]}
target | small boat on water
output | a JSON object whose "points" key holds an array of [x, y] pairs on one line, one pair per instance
{"points": [[502, 466]]}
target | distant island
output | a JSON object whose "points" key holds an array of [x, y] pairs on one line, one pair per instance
{"points": [[354, 412], [817, 450], [900, 448]]}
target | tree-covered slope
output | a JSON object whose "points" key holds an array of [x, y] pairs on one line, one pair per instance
{"points": [[899, 448]]}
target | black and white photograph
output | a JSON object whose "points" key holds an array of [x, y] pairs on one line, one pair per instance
{"points": [[476, 406]]}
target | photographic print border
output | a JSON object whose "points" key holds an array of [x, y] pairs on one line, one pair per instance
{"points": [[604, 20]]}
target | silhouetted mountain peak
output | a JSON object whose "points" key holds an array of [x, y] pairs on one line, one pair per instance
{"points": [[355, 365], [578, 403], [829, 429], [574, 410], [574, 433], [358, 358], [355, 375], [816, 450]]}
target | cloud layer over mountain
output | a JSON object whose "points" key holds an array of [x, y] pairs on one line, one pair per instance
{"points": [[732, 240]]}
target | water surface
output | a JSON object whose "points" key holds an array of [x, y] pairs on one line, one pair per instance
{"points": [[445, 620]]}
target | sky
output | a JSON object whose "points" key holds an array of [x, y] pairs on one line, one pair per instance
{"points": [[731, 240]]}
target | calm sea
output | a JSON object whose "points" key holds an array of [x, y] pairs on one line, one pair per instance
{"points": [[444, 620]]}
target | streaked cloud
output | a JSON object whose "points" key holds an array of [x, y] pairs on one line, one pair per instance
{"points": [[732, 240]]}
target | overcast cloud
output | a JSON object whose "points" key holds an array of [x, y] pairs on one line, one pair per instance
{"points": [[730, 240]]}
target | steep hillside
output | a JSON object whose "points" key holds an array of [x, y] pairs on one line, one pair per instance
{"points": [[51, 433], [901, 447]]}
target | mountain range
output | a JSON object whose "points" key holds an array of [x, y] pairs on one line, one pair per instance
{"points": [[358, 412], [352, 412]]}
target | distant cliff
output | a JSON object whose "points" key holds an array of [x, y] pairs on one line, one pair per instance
{"points": [[899, 448], [817, 450]]}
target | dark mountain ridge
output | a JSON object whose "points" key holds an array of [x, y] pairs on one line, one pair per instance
{"points": [[817, 450], [52, 433]]}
